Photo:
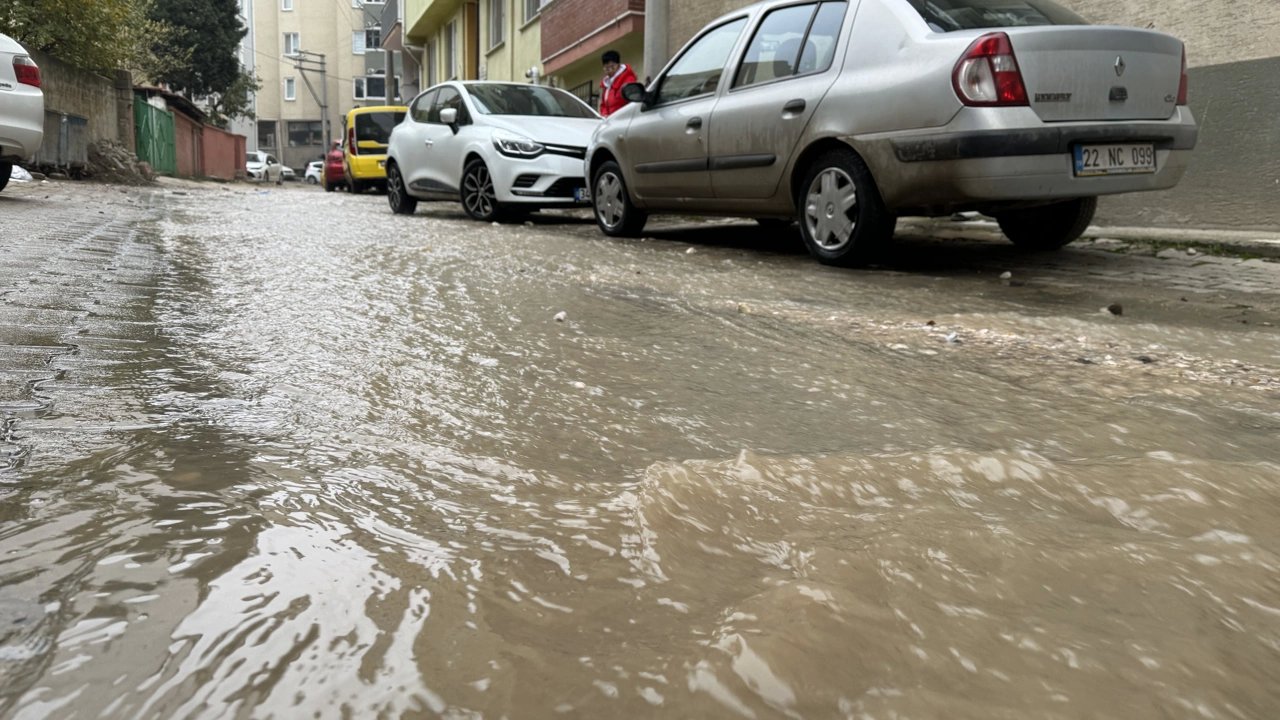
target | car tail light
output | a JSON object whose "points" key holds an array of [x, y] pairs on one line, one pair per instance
{"points": [[988, 75], [351, 141], [1183, 85], [26, 70]]}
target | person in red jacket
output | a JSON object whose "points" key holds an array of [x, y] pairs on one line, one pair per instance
{"points": [[616, 76]]}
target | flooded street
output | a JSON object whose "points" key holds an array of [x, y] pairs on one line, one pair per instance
{"points": [[282, 454]]}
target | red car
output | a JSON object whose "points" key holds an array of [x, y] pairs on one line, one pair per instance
{"points": [[334, 175]]}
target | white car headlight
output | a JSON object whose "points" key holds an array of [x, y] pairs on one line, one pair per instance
{"points": [[514, 145]]}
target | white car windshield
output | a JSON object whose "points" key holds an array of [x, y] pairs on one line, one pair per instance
{"points": [[529, 100]]}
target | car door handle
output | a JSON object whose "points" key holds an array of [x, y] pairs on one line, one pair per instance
{"points": [[795, 107], [429, 143], [694, 123]]}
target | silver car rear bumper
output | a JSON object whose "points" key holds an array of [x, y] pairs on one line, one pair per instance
{"points": [[21, 124], [995, 156]]}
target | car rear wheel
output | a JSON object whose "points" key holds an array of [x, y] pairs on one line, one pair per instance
{"points": [[616, 215], [6, 169], [398, 197], [1048, 227], [842, 217], [479, 199]]}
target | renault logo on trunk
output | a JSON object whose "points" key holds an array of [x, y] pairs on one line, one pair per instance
{"points": [[1120, 66]]}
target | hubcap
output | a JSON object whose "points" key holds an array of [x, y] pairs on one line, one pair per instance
{"points": [[477, 192], [610, 205], [831, 209]]}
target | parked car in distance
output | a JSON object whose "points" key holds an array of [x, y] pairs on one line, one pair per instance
{"points": [[315, 169], [264, 167], [334, 177], [21, 107], [366, 134], [287, 173], [499, 148], [844, 121]]}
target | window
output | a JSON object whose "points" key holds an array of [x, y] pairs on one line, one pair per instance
{"points": [[286, 5], [824, 35], [698, 70], [421, 108], [949, 15], [292, 43], [374, 87], [447, 97], [306, 133], [497, 22], [450, 54], [267, 134], [775, 50], [532, 8], [377, 126], [364, 40], [529, 100], [290, 89], [791, 41]]}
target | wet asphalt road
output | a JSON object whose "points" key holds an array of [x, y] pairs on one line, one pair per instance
{"points": [[277, 453]]}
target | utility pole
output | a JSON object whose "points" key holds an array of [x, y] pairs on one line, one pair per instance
{"points": [[305, 62]]}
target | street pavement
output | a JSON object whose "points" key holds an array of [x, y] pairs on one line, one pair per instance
{"points": [[275, 452]]}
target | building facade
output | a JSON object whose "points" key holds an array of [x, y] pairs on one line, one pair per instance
{"points": [[575, 34], [248, 127], [316, 60]]}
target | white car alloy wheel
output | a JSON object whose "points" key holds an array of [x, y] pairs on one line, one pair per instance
{"points": [[478, 197], [831, 209]]}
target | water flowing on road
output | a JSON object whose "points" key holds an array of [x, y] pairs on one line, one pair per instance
{"points": [[283, 454]]}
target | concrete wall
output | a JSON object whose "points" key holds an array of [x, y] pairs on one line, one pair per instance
{"points": [[107, 107], [520, 49]]}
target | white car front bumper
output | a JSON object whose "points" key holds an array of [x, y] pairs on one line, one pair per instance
{"points": [[548, 179]]}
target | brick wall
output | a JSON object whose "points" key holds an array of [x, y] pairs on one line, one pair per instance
{"points": [[565, 23]]}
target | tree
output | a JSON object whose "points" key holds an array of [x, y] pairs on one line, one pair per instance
{"points": [[101, 35], [235, 101], [201, 57]]}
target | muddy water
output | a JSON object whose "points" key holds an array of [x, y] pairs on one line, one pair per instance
{"points": [[323, 462]]}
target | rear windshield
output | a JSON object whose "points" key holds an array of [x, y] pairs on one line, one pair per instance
{"points": [[951, 15], [530, 100], [377, 127]]}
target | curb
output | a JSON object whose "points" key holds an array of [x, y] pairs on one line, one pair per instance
{"points": [[1223, 242]]}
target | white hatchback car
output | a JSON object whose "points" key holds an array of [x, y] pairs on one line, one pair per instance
{"points": [[21, 107], [502, 149]]}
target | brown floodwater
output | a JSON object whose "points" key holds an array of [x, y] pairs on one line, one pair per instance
{"points": [[301, 458]]}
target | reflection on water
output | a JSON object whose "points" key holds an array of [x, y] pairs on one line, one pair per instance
{"points": [[319, 473]]}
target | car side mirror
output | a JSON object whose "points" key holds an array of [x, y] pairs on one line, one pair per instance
{"points": [[635, 92], [449, 116]]}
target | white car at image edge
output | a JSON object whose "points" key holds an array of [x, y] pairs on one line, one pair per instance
{"points": [[21, 107], [501, 149]]}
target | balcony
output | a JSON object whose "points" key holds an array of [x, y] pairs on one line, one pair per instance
{"points": [[576, 29], [422, 18]]}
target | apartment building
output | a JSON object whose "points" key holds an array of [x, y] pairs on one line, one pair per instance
{"points": [[294, 40], [397, 56]]}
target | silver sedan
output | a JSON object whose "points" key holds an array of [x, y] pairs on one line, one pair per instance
{"points": [[846, 115]]}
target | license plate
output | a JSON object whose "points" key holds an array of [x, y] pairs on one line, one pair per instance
{"points": [[581, 195], [1128, 159]]}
